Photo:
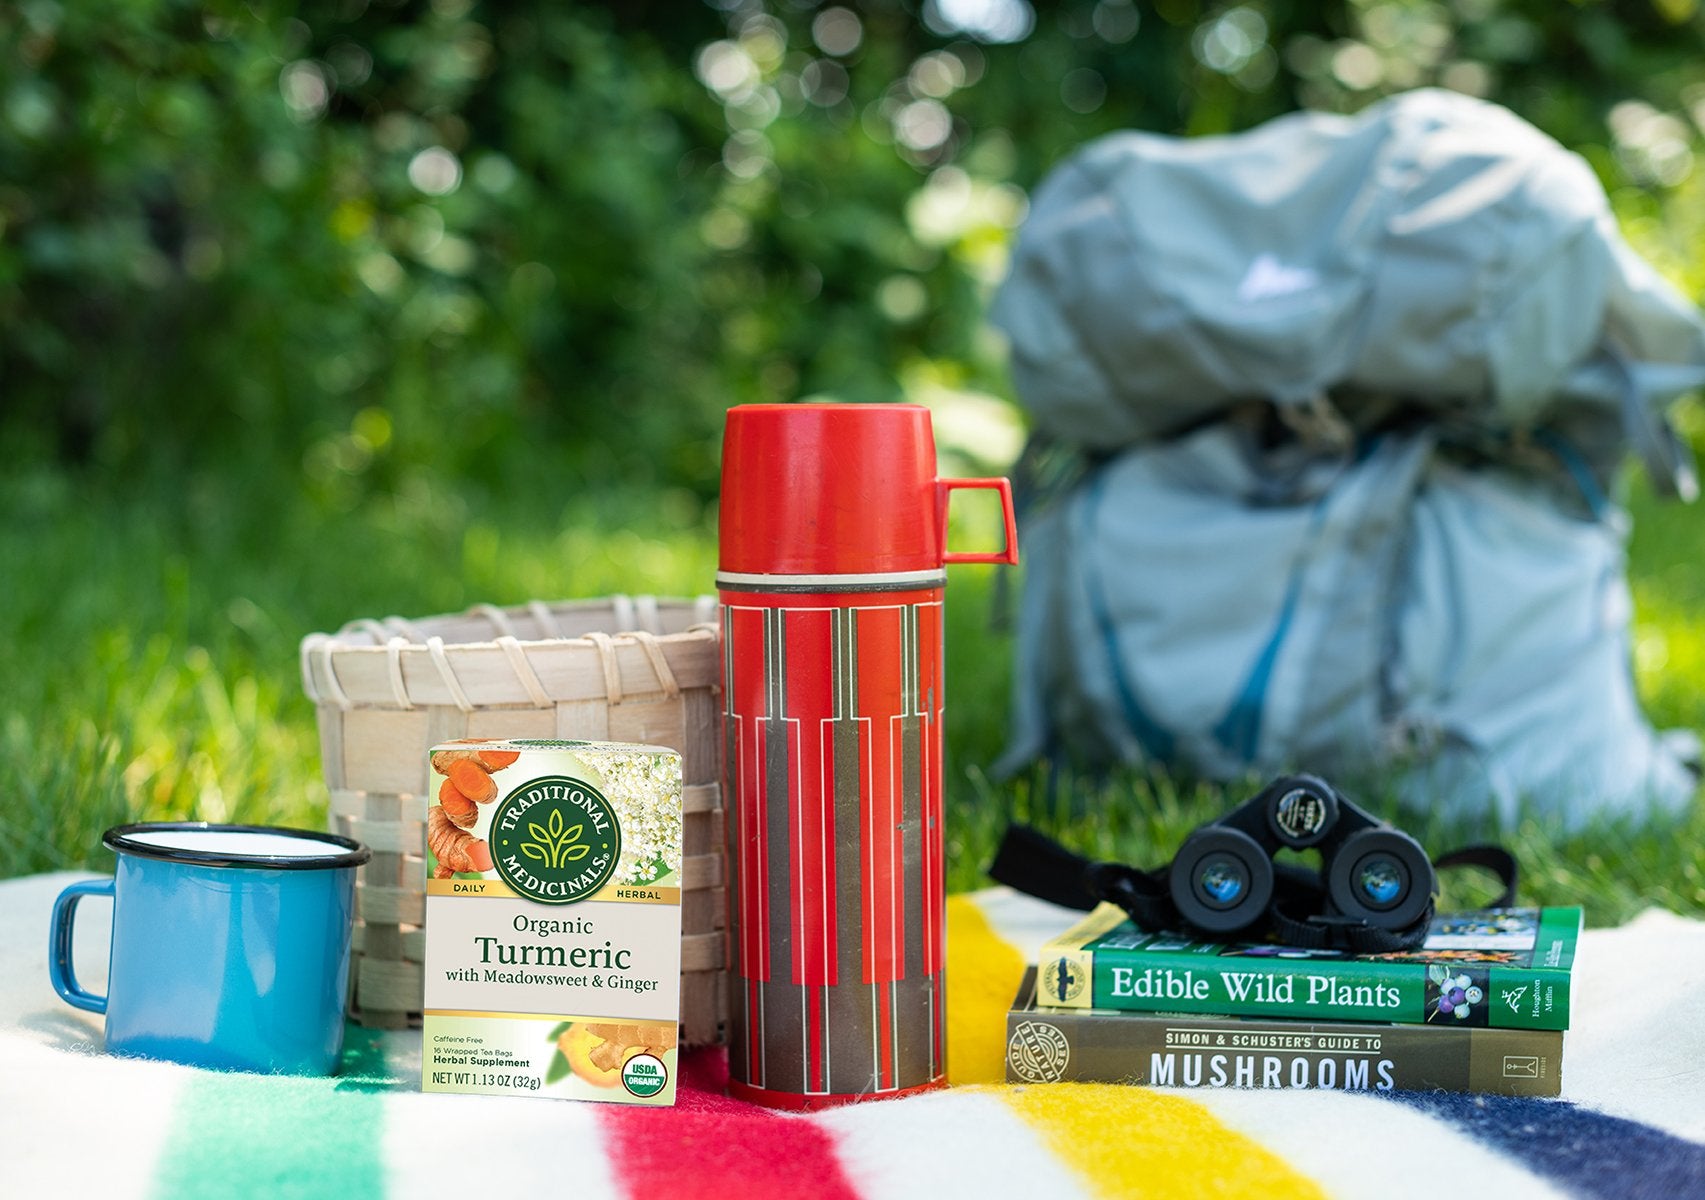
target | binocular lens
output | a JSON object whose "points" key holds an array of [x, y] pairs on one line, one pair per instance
{"points": [[1380, 880], [1222, 881], [1380, 876]]}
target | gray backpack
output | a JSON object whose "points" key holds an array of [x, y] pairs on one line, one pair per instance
{"points": [[1345, 397]]}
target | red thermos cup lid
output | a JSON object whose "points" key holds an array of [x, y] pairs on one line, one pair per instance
{"points": [[829, 489]]}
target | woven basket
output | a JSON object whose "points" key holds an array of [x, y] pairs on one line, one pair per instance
{"points": [[625, 669]]}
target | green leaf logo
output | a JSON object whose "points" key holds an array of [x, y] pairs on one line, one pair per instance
{"points": [[552, 844], [555, 840]]}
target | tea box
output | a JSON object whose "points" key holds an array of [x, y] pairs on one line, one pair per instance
{"points": [[553, 920]]}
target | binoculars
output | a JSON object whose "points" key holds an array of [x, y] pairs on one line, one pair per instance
{"points": [[1224, 878]]}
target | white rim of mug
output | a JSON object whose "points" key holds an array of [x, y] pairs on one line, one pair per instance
{"points": [[118, 839]]}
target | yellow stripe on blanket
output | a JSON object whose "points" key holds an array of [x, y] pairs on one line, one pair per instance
{"points": [[1121, 1141], [982, 976], [1127, 1141]]}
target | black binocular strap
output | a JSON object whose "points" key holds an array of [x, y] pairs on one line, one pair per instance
{"points": [[1488, 857], [1035, 864], [1321, 931]]}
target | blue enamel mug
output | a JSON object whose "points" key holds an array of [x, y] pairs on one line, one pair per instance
{"points": [[230, 945]]}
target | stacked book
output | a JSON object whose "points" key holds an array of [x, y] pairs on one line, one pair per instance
{"points": [[1480, 1007]]}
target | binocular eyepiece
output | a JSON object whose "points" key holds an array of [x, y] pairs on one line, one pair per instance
{"points": [[1223, 879]]}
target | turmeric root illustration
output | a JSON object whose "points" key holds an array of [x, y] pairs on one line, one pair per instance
{"points": [[473, 780], [467, 785], [489, 760], [455, 849], [442, 759], [461, 810]]}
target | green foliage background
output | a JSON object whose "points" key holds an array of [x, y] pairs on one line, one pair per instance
{"points": [[353, 242], [338, 308]]}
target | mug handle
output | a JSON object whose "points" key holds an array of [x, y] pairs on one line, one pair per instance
{"points": [[1007, 554], [59, 968]]}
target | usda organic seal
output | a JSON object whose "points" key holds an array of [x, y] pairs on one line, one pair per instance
{"points": [[555, 840], [644, 1075]]}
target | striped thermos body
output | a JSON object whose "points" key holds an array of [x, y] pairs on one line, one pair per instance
{"points": [[831, 578]]}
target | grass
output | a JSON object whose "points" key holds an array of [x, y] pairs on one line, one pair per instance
{"points": [[151, 633]]}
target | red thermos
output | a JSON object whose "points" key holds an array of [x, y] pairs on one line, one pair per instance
{"points": [[831, 574]]}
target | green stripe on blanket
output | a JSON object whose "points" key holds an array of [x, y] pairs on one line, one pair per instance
{"points": [[236, 1135]]}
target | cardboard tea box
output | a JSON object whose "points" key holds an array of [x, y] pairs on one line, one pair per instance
{"points": [[553, 920]]}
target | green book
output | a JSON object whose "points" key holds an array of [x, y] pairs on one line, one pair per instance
{"points": [[1505, 968], [1092, 1045]]}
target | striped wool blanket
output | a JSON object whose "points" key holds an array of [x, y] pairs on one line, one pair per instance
{"points": [[74, 1121]]}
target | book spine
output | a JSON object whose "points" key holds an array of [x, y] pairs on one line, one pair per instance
{"points": [[1470, 996], [1050, 1045]]}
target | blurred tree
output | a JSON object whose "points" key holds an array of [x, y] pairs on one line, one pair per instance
{"points": [[518, 244]]}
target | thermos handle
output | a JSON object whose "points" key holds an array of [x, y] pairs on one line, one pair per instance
{"points": [[59, 968], [1007, 554]]}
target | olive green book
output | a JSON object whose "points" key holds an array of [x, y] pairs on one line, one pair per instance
{"points": [[1505, 968], [1088, 1045]]}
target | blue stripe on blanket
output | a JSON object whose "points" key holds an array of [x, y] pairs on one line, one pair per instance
{"points": [[1583, 1152]]}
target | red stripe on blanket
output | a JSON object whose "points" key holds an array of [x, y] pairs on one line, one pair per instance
{"points": [[710, 1145]]}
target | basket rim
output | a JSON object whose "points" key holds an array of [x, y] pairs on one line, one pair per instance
{"points": [[340, 647], [398, 640], [705, 605]]}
